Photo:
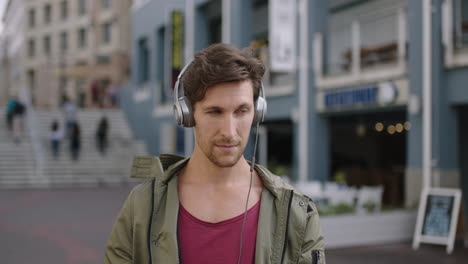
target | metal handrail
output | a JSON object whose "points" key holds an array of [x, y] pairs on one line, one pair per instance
{"points": [[32, 125]]}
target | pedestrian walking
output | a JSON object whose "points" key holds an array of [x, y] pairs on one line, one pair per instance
{"points": [[102, 94], [95, 93], [56, 136], [69, 109], [111, 96], [18, 121], [9, 112], [75, 141], [102, 135]]}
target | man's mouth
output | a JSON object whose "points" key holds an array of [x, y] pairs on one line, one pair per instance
{"points": [[226, 147]]}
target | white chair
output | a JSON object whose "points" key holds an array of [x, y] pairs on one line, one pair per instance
{"points": [[369, 195], [345, 195], [313, 189]]}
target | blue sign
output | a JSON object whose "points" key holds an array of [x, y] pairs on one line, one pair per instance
{"points": [[353, 97]]}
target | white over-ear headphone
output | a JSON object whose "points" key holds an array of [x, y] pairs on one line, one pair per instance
{"points": [[183, 110]]}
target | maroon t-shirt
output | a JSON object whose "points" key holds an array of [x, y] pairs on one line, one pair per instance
{"points": [[210, 243]]}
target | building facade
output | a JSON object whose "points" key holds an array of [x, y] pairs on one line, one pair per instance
{"points": [[12, 40], [345, 86], [65, 46], [4, 92]]}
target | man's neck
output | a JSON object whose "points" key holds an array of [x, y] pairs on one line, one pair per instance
{"points": [[201, 170]]}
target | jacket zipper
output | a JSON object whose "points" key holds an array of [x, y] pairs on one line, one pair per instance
{"points": [[287, 223], [315, 256], [179, 260], [151, 222]]}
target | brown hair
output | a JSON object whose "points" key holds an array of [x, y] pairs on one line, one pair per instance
{"points": [[220, 63]]}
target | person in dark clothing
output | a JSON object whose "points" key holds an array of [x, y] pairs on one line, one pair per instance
{"points": [[10, 109], [102, 134], [18, 121], [95, 93], [75, 141], [55, 138]]}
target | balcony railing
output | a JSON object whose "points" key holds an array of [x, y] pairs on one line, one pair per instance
{"points": [[356, 53]]}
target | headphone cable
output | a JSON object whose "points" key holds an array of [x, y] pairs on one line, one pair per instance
{"points": [[252, 164]]}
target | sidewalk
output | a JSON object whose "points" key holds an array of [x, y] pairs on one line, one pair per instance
{"points": [[401, 253], [71, 226]]}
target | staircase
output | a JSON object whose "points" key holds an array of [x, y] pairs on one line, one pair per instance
{"points": [[17, 163], [92, 168]]}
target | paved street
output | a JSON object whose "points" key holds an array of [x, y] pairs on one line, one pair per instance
{"points": [[400, 253], [71, 226], [68, 226]]}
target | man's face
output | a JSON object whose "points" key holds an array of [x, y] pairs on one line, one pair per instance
{"points": [[223, 119]]}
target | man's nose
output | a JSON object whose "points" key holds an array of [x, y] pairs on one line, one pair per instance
{"points": [[228, 127]]}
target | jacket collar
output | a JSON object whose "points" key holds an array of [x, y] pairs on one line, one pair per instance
{"points": [[166, 166]]}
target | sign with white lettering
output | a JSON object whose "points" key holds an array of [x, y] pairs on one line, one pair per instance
{"points": [[382, 94], [282, 35], [437, 217], [351, 97]]}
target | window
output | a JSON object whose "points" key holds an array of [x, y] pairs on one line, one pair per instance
{"points": [[47, 13], [32, 85], [63, 41], [64, 9], [143, 60], [32, 18], [82, 38], [461, 24], [31, 48], [106, 32], [103, 59], [106, 3], [46, 44], [81, 7], [214, 29]]}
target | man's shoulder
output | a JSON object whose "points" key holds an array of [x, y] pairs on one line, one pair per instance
{"points": [[276, 182], [154, 166], [141, 192], [143, 187]]}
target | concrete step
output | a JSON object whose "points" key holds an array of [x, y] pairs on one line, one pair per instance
{"points": [[68, 184], [17, 162]]}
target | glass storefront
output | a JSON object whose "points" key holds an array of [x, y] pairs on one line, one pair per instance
{"points": [[370, 150]]}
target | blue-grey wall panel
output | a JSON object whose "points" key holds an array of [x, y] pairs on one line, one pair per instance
{"points": [[445, 147], [457, 86], [318, 127], [463, 123], [145, 23], [201, 29], [280, 107], [414, 139]]}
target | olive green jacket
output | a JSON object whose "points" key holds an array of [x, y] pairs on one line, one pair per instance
{"points": [[145, 230]]}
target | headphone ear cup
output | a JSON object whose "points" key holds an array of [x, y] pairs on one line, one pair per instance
{"points": [[186, 113], [178, 113], [260, 110]]}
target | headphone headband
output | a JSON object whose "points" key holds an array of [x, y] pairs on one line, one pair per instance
{"points": [[183, 112]]}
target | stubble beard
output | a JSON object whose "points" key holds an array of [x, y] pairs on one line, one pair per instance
{"points": [[217, 158], [224, 164]]}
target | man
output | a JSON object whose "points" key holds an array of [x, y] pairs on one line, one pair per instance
{"points": [[212, 207]]}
